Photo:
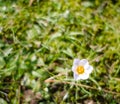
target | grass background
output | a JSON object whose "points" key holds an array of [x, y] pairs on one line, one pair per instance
{"points": [[40, 41]]}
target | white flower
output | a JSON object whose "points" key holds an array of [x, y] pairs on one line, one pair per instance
{"points": [[81, 69]]}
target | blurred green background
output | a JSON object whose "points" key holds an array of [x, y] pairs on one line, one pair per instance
{"points": [[40, 39]]}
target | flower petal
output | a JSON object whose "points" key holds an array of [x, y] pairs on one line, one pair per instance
{"points": [[75, 76], [76, 62], [89, 69], [74, 68], [83, 76], [83, 62]]}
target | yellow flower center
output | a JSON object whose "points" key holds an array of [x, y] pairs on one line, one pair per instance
{"points": [[80, 69]]}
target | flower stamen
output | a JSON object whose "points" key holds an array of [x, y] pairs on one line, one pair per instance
{"points": [[80, 69]]}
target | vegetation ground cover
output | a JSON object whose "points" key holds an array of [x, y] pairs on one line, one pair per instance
{"points": [[39, 43]]}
